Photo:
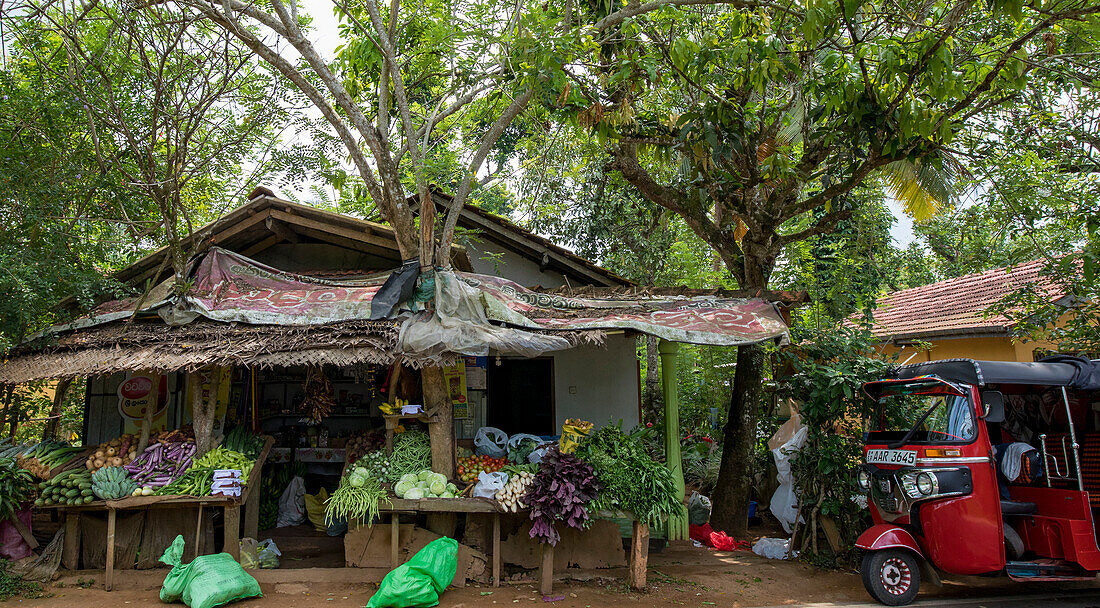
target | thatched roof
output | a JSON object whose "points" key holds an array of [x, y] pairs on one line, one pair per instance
{"points": [[240, 312], [153, 345]]}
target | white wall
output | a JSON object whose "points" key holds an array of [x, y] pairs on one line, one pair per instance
{"points": [[510, 265], [598, 384]]}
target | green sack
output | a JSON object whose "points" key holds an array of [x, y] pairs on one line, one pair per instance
{"points": [[418, 582], [208, 581]]}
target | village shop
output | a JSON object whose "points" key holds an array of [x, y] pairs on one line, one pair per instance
{"points": [[290, 368]]}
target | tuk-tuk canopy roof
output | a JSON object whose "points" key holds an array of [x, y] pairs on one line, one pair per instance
{"points": [[1059, 370]]}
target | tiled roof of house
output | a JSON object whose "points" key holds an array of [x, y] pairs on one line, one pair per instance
{"points": [[956, 306]]}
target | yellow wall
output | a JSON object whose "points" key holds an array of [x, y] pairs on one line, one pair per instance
{"points": [[983, 349]]}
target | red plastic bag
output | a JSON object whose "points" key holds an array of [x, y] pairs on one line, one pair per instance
{"points": [[717, 540], [12, 545], [700, 533]]}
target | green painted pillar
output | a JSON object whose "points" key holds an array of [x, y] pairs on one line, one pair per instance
{"points": [[677, 524]]}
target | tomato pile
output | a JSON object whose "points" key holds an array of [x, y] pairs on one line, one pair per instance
{"points": [[470, 466]]}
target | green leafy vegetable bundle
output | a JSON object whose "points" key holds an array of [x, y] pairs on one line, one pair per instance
{"points": [[561, 492], [16, 487], [631, 480]]}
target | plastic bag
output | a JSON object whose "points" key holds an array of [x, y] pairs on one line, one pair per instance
{"points": [[259, 554], [491, 441], [536, 454], [292, 504], [519, 438], [699, 508], [315, 509], [488, 484], [572, 435], [418, 582], [786, 442], [773, 548], [208, 581], [460, 324], [337, 527], [269, 554], [12, 545]]}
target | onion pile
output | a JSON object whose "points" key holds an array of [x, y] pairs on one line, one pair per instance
{"points": [[114, 453], [511, 495]]}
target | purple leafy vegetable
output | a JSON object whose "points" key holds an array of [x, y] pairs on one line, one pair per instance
{"points": [[562, 490]]}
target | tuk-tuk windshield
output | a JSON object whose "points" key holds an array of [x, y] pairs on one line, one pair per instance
{"points": [[934, 414]]}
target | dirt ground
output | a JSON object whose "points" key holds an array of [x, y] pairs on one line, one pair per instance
{"points": [[678, 576]]}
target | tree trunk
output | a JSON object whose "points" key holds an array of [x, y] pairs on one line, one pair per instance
{"points": [[437, 402], [202, 412], [731, 497], [54, 422], [651, 396], [9, 403]]}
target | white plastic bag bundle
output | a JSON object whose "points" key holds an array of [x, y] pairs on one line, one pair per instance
{"points": [[292, 504], [488, 484], [491, 441], [785, 444], [773, 548]]}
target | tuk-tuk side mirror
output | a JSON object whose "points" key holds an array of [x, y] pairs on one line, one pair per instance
{"points": [[994, 403]]}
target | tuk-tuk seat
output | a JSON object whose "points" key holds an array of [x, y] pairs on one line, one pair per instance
{"points": [[1012, 507]]}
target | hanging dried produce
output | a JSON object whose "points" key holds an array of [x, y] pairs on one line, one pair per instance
{"points": [[319, 396]]}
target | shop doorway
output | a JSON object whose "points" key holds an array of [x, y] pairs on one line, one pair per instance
{"points": [[521, 396]]}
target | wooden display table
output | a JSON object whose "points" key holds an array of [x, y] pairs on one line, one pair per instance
{"points": [[231, 506], [485, 506], [638, 559]]}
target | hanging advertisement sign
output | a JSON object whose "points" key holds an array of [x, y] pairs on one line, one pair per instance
{"points": [[455, 375], [139, 392]]}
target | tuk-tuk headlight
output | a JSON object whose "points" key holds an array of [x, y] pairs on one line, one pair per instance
{"points": [[863, 480], [926, 483]]}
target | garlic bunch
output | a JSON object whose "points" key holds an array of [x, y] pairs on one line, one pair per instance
{"points": [[511, 495]]}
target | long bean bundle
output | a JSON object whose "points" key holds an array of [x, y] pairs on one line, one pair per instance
{"points": [[355, 502], [412, 453]]}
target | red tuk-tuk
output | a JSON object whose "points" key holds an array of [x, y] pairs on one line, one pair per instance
{"points": [[981, 467]]}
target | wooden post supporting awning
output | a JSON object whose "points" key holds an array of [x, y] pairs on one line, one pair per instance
{"points": [[678, 523]]}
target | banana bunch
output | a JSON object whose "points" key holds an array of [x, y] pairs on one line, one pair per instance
{"points": [[393, 408], [110, 483]]}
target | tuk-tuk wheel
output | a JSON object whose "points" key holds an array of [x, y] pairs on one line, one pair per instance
{"points": [[891, 576]]}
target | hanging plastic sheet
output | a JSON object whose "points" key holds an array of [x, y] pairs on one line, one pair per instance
{"points": [[459, 325]]}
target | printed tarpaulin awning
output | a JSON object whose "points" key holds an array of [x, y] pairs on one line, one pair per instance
{"points": [[229, 287], [696, 320]]}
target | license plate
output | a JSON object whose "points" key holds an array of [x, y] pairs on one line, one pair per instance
{"points": [[901, 457]]}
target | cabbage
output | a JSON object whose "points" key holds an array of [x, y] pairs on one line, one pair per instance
{"points": [[409, 478], [448, 494], [356, 480], [440, 477], [437, 486], [414, 494], [401, 488], [425, 475], [361, 471], [452, 488]]}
